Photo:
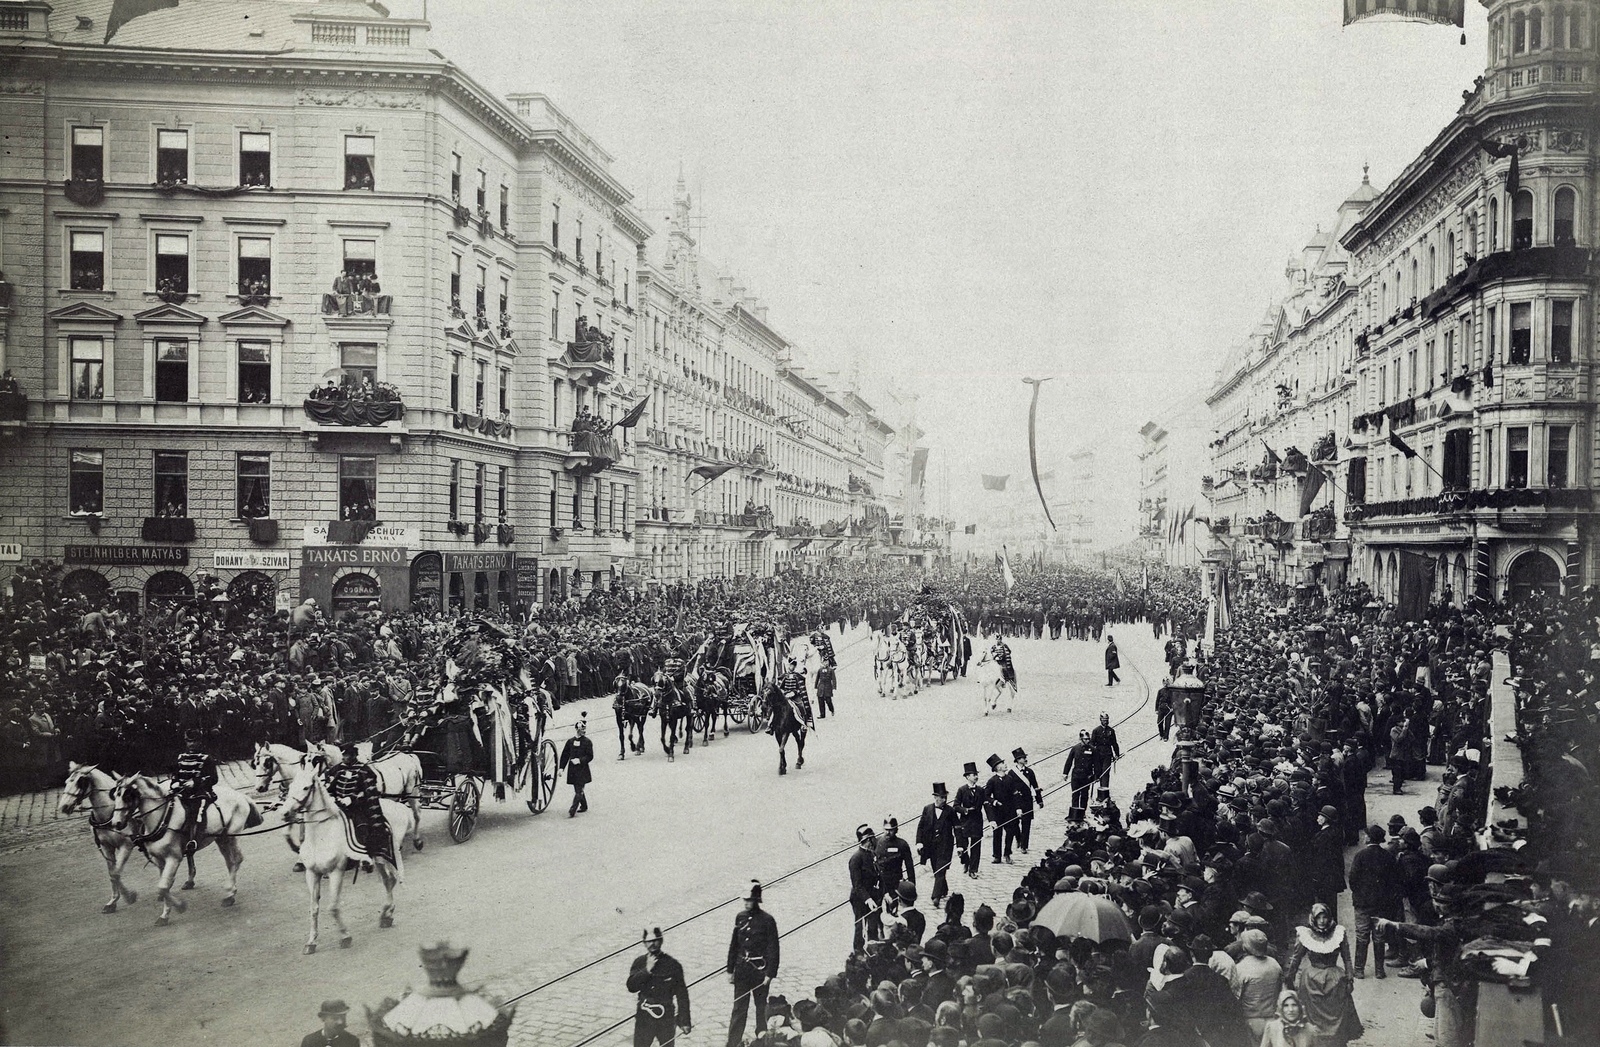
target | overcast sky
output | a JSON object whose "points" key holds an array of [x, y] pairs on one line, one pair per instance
{"points": [[965, 193]]}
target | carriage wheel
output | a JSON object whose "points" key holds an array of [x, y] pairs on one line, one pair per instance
{"points": [[736, 710], [699, 720], [464, 809], [544, 778], [757, 720]]}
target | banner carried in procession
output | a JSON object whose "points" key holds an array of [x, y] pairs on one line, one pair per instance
{"points": [[1441, 12]]}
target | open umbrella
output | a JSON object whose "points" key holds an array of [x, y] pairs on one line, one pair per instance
{"points": [[1074, 914]]}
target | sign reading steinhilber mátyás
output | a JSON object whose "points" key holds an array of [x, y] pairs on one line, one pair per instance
{"points": [[354, 555], [128, 555], [250, 560]]}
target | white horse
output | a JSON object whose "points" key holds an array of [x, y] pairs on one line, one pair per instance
{"points": [[88, 784], [399, 774], [157, 820], [326, 849], [999, 686]]}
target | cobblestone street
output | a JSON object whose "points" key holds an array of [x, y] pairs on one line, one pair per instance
{"points": [[535, 897]]}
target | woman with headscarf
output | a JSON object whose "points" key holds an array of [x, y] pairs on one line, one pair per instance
{"points": [[1322, 986], [1289, 1028]]}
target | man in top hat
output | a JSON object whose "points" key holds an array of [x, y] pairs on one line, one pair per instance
{"points": [[576, 756], [936, 840], [865, 894], [969, 820], [663, 1006], [332, 1034], [1025, 796], [999, 805], [752, 963]]}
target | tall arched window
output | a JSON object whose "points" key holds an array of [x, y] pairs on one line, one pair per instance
{"points": [[1522, 220], [1433, 268], [1494, 224], [1558, 28], [1449, 254], [1519, 33], [1562, 223], [1413, 278], [1535, 29]]}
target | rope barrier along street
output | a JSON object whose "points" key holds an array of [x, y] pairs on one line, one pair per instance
{"points": [[847, 849]]}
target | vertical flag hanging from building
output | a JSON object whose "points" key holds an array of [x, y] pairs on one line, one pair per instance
{"points": [[1224, 602], [1033, 446], [919, 467], [1439, 12], [1310, 487]]}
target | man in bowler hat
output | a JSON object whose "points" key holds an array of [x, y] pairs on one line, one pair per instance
{"points": [[332, 1033]]}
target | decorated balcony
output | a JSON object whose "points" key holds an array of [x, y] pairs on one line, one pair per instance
{"points": [[366, 403], [592, 452], [1459, 500], [356, 294], [498, 428], [590, 345]]}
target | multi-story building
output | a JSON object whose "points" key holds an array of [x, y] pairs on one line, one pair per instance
{"points": [[1172, 466], [1280, 404], [1462, 405], [328, 320]]}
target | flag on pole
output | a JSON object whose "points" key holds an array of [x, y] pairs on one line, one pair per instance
{"points": [[1033, 447], [125, 11], [995, 483], [1501, 150], [1224, 602], [1272, 455], [1005, 568], [709, 472], [1310, 487], [1401, 446], [1145, 571], [635, 412], [1438, 12]]}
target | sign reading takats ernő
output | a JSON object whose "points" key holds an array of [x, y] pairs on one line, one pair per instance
{"points": [[353, 555], [454, 562], [128, 555]]}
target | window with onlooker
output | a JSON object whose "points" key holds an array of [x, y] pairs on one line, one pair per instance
{"points": [[505, 391], [255, 265], [359, 361], [358, 487], [255, 372], [253, 486], [1521, 350], [505, 209], [172, 157], [172, 484], [87, 261], [88, 154], [255, 159], [455, 283], [455, 177], [483, 192], [455, 489], [361, 262], [1561, 331], [172, 264], [1522, 220], [455, 381], [478, 493], [1558, 456], [1517, 456], [88, 368], [555, 226], [1563, 220], [172, 371], [503, 483], [480, 387], [86, 482], [360, 162]]}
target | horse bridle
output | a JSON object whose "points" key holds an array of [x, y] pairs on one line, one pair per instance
{"points": [[135, 828]]}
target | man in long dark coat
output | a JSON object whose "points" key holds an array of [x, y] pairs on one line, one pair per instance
{"points": [[576, 756], [936, 841]]}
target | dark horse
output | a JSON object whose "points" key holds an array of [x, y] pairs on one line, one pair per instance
{"points": [[786, 724], [632, 706], [712, 693], [671, 706]]}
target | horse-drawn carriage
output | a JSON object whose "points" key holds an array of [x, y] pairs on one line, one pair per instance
{"points": [[486, 725], [730, 675], [935, 636]]}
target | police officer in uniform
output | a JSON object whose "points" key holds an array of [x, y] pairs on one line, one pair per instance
{"points": [[894, 856], [194, 783], [1106, 750], [752, 963], [969, 820], [827, 675], [576, 756], [1025, 794], [663, 1007], [936, 840]]}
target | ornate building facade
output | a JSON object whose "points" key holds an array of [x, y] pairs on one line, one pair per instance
{"points": [[1463, 413], [329, 320]]}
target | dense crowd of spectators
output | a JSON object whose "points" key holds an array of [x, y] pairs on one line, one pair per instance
{"points": [[1230, 862]]}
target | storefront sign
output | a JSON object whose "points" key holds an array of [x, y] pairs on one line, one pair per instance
{"points": [[10, 552], [467, 562], [36, 663], [250, 560], [354, 556], [285, 600], [528, 581], [407, 536], [128, 555]]}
